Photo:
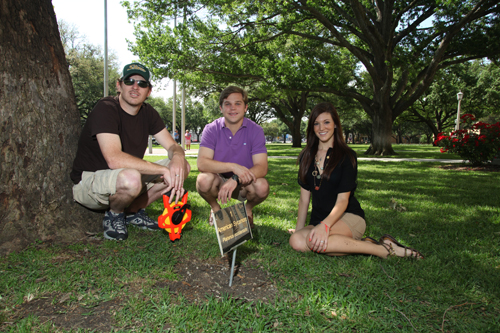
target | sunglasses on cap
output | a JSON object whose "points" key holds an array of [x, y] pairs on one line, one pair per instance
{"points": [[140, 83]]}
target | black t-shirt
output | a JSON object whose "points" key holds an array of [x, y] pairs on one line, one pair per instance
{"points": [[108, 117], [343, 179]]}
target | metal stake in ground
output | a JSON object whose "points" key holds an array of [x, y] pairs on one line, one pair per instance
{"points": [[232, 267]]}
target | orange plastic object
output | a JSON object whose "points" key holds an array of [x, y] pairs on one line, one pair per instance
{"points": [[175, 216]]}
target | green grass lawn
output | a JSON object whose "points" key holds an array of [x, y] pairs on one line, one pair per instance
{"points": [[452, 217], [403, 151], [193, 146]]}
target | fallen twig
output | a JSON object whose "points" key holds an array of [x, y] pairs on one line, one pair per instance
{"points": [[403, 316], [386, 272], [400, 312], [406, 318], [451, 307]]}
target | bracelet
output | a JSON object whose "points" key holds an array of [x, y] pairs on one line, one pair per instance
{"points": [[326, 226]]}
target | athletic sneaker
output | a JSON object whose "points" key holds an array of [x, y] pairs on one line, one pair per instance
{"points": [[114, 226], [141, 220]]}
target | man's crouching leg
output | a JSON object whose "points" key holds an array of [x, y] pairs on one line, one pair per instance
{"points": [[136, 213], [128, 187], [153, 189], [254, 193], [207, 185]]}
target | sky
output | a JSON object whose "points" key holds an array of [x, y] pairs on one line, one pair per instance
{"points": [[88, 18]]}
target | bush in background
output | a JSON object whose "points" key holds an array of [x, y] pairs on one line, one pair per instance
{"points": [[476, 142]]}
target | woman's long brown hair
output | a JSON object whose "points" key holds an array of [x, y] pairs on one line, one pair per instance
{"points": [[340, 149]]}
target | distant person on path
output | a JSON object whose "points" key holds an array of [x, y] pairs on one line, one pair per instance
{"points": [[109, 172], [177, 137], [327, 173], [187, 138], [232, 157]]}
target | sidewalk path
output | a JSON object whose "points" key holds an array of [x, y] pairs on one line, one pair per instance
{"points": [[194, 153]]}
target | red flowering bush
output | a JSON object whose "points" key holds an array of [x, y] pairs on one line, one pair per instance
{"points": [[477, 143]]}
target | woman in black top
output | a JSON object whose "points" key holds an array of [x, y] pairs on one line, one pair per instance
{"points": [[328, 171]]}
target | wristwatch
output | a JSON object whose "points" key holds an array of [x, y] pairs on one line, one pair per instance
{"points": [[235, 177]]}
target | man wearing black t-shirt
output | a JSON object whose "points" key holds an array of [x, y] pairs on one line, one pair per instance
{"points": [[109, 172]]}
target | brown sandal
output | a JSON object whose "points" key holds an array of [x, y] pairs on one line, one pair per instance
{"points": [[412, 254], [389, 249], [371, 240]]}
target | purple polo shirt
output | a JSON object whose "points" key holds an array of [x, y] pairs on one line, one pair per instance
{"points": [[248, 141]]}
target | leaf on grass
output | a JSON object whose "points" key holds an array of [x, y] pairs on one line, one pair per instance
{"points": [[64, 298], [28, 298], [334, 313]]}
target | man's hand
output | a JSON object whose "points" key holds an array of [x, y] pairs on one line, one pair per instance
{"points": [[174, 177], [226, 191], [178, 167], [245, 175]]}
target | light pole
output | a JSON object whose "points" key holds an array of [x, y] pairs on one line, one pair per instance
{"points": [[175, 90], [105, 48], [460, 95]]}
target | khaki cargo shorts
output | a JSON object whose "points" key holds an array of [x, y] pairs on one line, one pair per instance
{"points": [[95, 188]]}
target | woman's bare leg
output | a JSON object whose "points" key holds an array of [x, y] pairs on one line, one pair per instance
{"points": [[340, 242]]}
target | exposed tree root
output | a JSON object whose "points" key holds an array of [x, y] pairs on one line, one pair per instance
{"points": [[385, 151]]}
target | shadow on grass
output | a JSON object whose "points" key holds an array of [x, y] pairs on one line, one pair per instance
{"points": [[151, 284]]}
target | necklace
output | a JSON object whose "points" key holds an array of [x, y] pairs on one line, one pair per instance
{"points": [[318, 164], [317, 174]]}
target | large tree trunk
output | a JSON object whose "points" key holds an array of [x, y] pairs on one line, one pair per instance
{"points": [[296, 137], [382, 134], [39, 128], [294, 107]]}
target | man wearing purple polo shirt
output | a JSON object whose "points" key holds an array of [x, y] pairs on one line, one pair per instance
{"points": [[232, 157]]}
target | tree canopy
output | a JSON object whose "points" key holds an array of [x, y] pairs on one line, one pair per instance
{"points": [[86, 66], [383, 54], [437, 107]]}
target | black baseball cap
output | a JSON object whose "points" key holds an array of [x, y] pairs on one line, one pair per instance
{"points": [[135, 68]]}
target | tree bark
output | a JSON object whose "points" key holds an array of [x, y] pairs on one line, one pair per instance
{"points": [[296, 137], [39, 129], [382, 134], [295, 106]]}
